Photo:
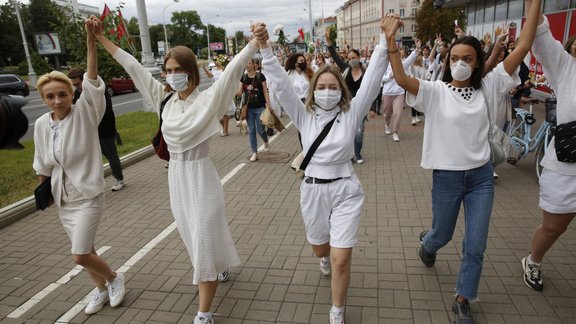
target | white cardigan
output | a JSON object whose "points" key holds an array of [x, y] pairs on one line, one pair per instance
{"points": [[560, 70], [81, 157], [189, 122]]}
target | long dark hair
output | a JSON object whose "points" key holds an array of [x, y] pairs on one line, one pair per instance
{"points": [[476, 78], [569, 43], [291, 61]]}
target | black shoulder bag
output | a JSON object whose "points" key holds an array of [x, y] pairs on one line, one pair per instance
{"points": [[160, 146], [565, 142], [317, 142]]}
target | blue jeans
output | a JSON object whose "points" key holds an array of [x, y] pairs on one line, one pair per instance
{"points": [[358, 139], [476, 189], [254, 124]]}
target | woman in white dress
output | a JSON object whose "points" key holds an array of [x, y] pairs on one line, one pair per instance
{"points": [[67, 150], [190, 118], [331, 196]]}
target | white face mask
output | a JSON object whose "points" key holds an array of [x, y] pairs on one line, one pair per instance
{"points": [[327, 99], [177, 81], [461, 71]]}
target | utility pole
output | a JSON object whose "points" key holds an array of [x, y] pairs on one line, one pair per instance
{"points": [[32, 78], [147, 56], [311, 23]]}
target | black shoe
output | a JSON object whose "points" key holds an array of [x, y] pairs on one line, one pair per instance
{"points": [[532, 275], [270, 132], [462, 312], [427, 258]]}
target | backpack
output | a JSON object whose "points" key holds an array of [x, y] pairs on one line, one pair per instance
{"points": [[160, 146]]}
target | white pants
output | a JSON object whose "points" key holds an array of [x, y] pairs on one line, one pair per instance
{"points": [[331, 211]]}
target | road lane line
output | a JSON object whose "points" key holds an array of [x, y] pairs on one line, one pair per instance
{"points": [[76, 309], [50, 288]]}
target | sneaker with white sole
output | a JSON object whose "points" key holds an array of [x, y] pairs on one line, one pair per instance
{"points": [[532, 275], [116, 289], [462, 312], [224, 276], [98, 301], [253, 157], [336, 318], [203, 320], [395, 137], [325, 266], [266, 147], [387, 129], [414, 122], [119, 185]]}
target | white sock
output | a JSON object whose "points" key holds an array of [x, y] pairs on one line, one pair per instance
{"points": [[204, 314], [532, 262], [337, 310]]}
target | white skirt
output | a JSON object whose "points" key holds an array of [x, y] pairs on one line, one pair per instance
{"points": [[197, 202], [557, 192], [80, 220]]}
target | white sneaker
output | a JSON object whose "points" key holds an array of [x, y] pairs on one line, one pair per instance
{"points": [[495, 175], [360, 161], [336, 318], [203, 320], [119, 185], [116, 289], [414, 121], [418, 120], [97, 302], [254, 157], [266, 147], [224, 276], [387, 129], [395, 137], [325, 266]]}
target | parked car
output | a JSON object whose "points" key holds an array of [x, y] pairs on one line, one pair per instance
{"points": [[12, 84], [118, 85]]}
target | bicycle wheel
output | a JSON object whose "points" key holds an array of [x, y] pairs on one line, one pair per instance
{"points": [[541, 151], [516, 128]]}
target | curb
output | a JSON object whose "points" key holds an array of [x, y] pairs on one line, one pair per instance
{"points": [[20, 209]]}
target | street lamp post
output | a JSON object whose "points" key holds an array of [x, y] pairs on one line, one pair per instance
{"points": [[166, 47], [31, 74], [208, 38]]}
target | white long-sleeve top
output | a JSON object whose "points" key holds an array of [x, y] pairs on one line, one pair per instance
{"points": [[332, 158], [189, 122], [389, 85], [300, 83], [79, 155], [560, 70]]}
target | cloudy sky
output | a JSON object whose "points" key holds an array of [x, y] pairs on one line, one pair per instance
{"points": [[231, 15]]}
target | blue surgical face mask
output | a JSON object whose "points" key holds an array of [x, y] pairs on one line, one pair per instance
{"points": [[177, 81]]}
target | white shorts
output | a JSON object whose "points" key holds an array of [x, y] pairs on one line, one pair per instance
{"points": [[331, 211], [557, 192], [80, 220]]}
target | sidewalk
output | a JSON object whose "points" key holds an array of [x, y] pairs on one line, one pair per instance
{"points": [[279, 280]]}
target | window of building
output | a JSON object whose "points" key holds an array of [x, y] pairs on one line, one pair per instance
{"points": [[489, 12], [413, 28], [556, 5], [515, 9], [501, 10], [401, 12], [573, 5], [401, 29], [390, 10], [415, 10]]}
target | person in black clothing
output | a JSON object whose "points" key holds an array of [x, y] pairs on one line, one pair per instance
{"points": [[353, 72], [106, 130]]}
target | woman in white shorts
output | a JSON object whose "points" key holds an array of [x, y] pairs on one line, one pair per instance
{"points": [[558, 180], [331, 196], [68, 150]]}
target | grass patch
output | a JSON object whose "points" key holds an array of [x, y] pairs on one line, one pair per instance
{"points": [[18, 179]]}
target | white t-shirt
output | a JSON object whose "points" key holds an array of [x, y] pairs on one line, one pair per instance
{"points": [[456, 130]]}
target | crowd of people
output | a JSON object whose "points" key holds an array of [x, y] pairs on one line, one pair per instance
{"points": [[328, 97]]}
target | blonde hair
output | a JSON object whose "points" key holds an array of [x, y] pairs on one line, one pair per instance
{"points": [[345, 99], [53, 76], [419, 61]]}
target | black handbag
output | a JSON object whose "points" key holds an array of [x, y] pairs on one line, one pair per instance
{"points": [[43, 194], [160, 146], [565, 142]]}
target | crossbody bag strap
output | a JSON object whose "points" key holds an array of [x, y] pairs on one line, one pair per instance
{"points": [[316, 143]]}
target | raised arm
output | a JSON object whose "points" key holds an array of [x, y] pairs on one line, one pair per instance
{"points": [[91, 58], [391, 25], [208, 73], [341, 64], [512, 62], [492, 61]]}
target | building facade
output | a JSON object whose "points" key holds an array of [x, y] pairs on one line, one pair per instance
{"points": [[359, 21], [83, 9]]}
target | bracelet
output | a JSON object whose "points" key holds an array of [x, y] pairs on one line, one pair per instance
{"points": [[394, 51]]}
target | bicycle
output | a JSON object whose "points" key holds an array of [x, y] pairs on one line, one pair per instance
{"points": [[520, 131]]}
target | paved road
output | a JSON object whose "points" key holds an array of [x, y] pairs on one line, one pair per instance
{"points": [[123, 103], [279, 280]]}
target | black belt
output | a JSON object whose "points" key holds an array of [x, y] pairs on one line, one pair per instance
{"points": [[320, 181]]}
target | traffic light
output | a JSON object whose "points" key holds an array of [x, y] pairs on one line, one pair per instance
{"points": [[13, 122]]}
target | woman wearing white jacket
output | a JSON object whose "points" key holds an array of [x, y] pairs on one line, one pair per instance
{"points": [[331, 195]]}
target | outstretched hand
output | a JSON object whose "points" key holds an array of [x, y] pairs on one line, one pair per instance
{"points": [[390, 24], [93, 27], [260, 33]]}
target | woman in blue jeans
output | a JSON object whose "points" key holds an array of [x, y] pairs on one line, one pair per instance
{"points": [[456, 147], [254, 89]]}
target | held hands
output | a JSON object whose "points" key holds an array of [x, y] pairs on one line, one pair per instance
{"points": [[390, 25], [93, 27], [260, 34]]}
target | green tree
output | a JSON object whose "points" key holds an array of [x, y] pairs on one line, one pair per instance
{"points": [[239, 41], [10, 37], [186, 25], [431, 21]]}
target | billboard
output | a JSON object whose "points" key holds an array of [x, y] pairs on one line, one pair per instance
{"points": [[219, 46], [48, 43], [297, 48]]}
